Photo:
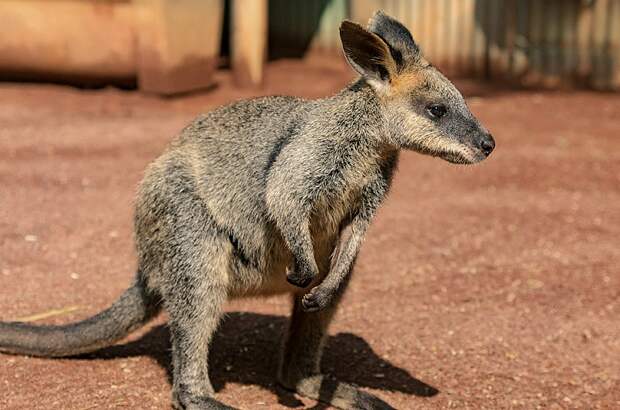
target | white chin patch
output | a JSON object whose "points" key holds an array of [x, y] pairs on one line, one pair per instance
{"points": [[462, 155]]}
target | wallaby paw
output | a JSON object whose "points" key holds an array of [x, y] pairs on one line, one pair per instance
{"points": [[301, 280], [315, 300]]}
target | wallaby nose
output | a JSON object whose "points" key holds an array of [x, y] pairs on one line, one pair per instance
{"points": [[487, 144]]}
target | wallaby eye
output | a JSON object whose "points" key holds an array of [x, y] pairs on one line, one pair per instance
{"points": [[436, 111]]}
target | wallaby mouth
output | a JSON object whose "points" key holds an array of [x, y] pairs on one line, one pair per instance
{"points": [[472, 152], [464, 156]]}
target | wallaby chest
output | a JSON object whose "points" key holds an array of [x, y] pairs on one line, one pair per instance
{"points": [[344, 196]]}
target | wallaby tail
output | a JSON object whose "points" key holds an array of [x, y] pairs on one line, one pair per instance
{"points": [[135, 306]]}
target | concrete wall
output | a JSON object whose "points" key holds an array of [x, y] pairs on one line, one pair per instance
{"points": [[165, 46]]}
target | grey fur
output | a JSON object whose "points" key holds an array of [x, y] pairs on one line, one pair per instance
{"points": [[403, 49], [267, 189]]}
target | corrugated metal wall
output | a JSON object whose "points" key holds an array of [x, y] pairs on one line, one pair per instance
{"points": [[549, 43]]}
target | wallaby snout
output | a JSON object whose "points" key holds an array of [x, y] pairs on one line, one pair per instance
{"points": [[487, 144], [474, 148]]}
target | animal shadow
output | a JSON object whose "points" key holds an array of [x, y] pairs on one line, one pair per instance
{"points": [[245, 350]]}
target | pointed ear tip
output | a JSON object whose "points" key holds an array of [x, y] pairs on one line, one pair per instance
{"points": [[347, 24], [376, 18], [377, 15], [379, 12]]}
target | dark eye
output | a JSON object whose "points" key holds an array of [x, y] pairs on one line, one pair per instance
{"points": [[436, 110]]}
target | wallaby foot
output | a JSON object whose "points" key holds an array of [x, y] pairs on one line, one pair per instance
{"points": [[317, 299], [301, 355], [341, 395], [186, 401]]}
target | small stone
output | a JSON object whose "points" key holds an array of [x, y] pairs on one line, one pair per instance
{"points": [[74, 275], [31, 238], [589, 389], [511, 355], [535, 283]]}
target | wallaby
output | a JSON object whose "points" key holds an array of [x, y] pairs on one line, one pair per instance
{"points": [[269, 189]]}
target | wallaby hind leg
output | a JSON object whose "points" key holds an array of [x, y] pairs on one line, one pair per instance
{"points": [[193, 321], [300, 363], [194, 314]]}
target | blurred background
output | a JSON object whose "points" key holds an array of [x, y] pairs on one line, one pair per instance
{"points": [[496, 286], [171, 46]]}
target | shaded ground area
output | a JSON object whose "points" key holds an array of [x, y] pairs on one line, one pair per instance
{"points": [[497, 284]]}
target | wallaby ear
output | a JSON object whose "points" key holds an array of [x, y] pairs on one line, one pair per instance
{"points": [[367, 53], [402, 47]]}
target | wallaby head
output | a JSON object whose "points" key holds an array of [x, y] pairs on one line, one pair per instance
{"points": [[421, 108]]}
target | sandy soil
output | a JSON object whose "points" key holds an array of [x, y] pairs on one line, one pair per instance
{"points": [[497, 285]]}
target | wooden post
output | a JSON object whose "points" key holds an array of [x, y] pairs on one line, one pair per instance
{"points": [[456, 39], [75, 41], [434, 29], [416, 17], [536, 37], [480, 40], [249, 41], [552, 40], [601, 64], [495, 44], [520, 62], [615, 46], [178, 44], [584, 35], [467, 28]]}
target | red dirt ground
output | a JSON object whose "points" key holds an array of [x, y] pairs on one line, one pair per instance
{"points": [[496, 284]]}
